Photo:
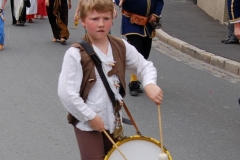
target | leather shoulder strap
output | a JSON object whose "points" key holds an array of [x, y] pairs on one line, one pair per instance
{"points": [[89, 50], [98, 62]]}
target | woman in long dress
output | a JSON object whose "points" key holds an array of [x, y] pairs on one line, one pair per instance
{"points": [[18, 8], [41, 9], [31, 11], [57, 11]]}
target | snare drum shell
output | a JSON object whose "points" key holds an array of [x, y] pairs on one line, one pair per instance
{"points": [[137, 148]]}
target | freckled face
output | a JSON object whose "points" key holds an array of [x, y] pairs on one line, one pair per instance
{"points": [[97, 24]]}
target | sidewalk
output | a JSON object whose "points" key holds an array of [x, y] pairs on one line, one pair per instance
{"points": [[189, 29]]}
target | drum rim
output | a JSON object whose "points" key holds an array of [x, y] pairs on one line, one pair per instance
{"points": [[141, 138]]}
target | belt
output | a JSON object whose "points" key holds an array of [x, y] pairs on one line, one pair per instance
{"points": [[126, 13], [135, 18], [129, 14]]}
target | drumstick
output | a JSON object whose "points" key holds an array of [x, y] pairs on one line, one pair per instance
{"points": [[162, 156], [114, 144]]}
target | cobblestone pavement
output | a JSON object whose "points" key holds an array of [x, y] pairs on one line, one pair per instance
{"points": [[189, 60]]}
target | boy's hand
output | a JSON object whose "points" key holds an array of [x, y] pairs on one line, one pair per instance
{"points": [[154, 93], [97, 123]]}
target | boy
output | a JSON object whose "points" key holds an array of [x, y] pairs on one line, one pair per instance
{"points": [[2, 19], [81, 89]]}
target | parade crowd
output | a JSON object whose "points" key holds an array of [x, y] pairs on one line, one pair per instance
{"points": [[27, 10]]}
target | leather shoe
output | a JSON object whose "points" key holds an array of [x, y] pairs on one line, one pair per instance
{"points": [[223, 41], [231, 42], [134, 88]]}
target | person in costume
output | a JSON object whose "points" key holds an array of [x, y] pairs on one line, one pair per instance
{"points": [[81, 89], [2, 19], [139, 35], [231, 38], [57, 11], [234, 18], [41, 9], [234, 15], [31, 11], [18, 8]]}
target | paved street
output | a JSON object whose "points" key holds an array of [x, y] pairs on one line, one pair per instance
{"points": [[200, 112], [188, 22]]}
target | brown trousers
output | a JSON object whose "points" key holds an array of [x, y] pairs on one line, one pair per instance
{"points": [[93, 145]]}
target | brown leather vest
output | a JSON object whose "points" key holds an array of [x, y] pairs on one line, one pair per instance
{"points": [[88, 66]]}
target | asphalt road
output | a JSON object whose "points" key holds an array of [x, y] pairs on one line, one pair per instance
{"points": [[200, 112]]}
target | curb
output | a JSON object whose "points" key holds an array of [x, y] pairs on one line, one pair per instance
{"points": [[210, 58]]}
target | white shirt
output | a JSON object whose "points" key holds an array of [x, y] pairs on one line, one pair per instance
{"points": [[97, 102]]}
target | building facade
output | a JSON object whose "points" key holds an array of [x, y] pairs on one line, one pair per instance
{"points": [[215, 8]]}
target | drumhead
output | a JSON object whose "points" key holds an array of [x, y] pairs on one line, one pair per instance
{"points": [[137, 148]]}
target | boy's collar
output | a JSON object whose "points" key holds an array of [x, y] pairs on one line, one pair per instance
{"points": [[87, 39]]}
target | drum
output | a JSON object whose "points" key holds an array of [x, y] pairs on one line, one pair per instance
{"points": [[137, 148]]}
